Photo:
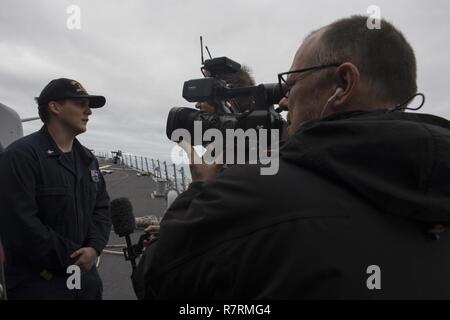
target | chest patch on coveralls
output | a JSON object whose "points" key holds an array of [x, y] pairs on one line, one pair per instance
{"points": [[94, 176]]}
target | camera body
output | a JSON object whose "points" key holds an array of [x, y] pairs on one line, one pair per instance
{"points": [[221, 65], [261, 116]]}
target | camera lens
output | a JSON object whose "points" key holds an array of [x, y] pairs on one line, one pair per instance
{"points": [[180, 118]]}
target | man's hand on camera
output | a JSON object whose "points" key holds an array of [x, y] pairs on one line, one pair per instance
{"points": [[200, 170], [203, 172]]}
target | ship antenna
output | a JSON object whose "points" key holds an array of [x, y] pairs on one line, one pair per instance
{"points": [[201, 50], [209, 53]]}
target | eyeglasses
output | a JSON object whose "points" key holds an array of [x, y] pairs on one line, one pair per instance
{"points": [[282, 77]]}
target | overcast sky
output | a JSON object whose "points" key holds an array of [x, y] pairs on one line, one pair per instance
{"points": [[138, 53]]}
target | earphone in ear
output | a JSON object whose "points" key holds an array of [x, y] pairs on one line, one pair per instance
{"points": [[335, 95]]}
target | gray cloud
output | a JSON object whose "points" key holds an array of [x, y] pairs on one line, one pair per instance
{"points": [[138, 53]]}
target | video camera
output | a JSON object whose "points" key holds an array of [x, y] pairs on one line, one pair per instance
{"points": [[211, 88]]}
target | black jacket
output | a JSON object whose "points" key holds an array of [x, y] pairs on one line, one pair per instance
{"points": [[47, 211], [354, 190]]}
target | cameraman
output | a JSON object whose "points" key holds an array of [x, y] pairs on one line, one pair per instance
{"points": [[239, 79], [358, 208]]}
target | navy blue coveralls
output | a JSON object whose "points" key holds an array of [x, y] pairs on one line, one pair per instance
{"points": [[49, 208]]}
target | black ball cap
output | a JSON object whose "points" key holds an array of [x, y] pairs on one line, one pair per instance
{"points": [[60, 89]]}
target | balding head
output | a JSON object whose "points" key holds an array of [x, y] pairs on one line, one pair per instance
{"points": [[376, 70]]}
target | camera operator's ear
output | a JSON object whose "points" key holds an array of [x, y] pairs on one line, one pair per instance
{"points": [[348, 78]]}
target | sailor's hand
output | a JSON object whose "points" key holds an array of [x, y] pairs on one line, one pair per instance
{"points": [[201, 169], [84, 258], [153, 230]]}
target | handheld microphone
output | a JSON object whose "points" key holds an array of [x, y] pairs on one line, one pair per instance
{"points": [[124, 223], [122, 217]]}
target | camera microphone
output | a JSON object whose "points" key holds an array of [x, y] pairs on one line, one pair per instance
{"points": [[122, 217]]}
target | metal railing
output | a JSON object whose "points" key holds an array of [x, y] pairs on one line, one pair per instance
{"points": [[174, 176]]}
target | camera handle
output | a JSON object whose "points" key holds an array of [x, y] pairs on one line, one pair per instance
{"points": [[133, 251]]}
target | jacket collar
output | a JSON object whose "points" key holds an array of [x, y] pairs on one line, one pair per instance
{"points": [[397, 161], [52, 150]]}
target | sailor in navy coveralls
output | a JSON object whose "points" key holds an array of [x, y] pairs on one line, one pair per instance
{"points": [[54, 207]]}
